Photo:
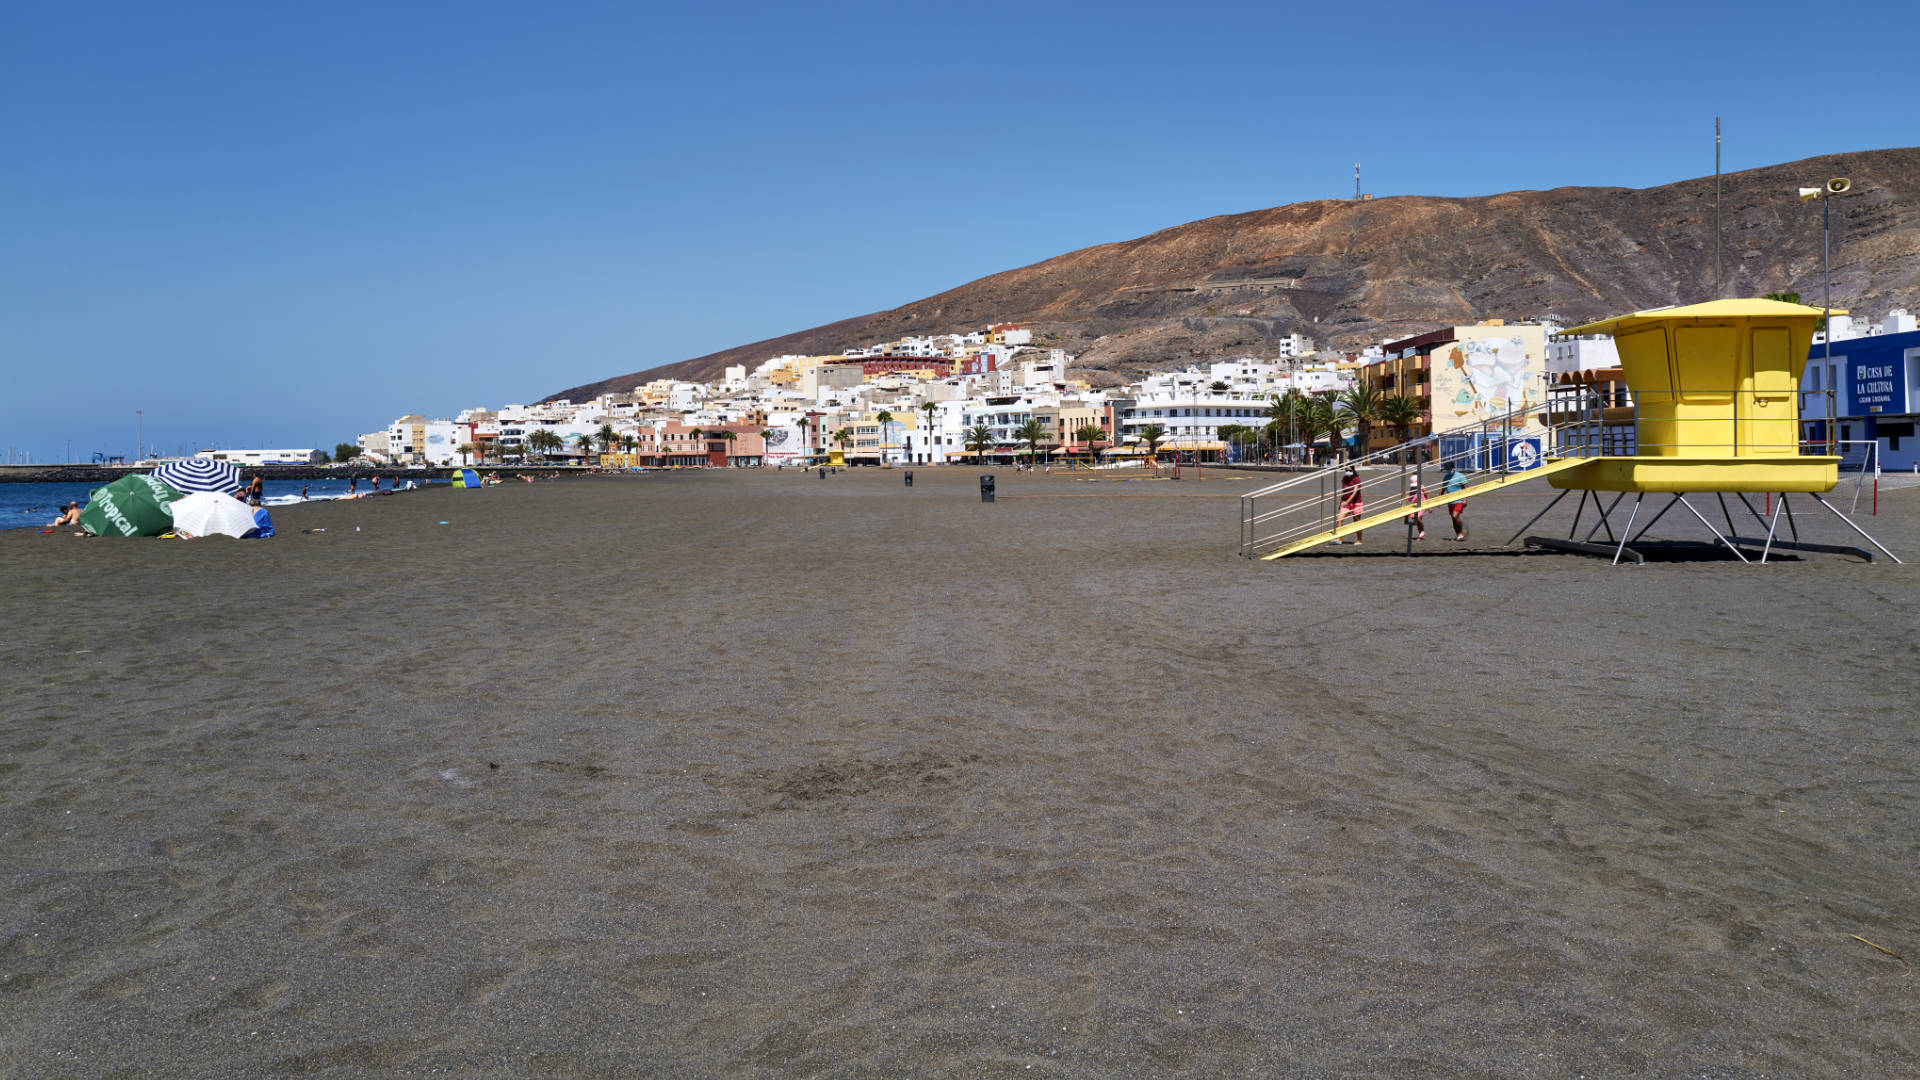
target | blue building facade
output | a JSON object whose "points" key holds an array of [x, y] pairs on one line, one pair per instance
{"points": [[1869, 392]]}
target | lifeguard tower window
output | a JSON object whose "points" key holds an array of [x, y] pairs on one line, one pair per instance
{"points": [[1713, 379], [1643, 355], [1772, 362]]}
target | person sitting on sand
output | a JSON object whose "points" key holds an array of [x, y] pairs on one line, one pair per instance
{"points": [[69, 515]]}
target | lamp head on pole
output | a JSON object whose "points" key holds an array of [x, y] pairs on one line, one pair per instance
{"points": [[1839, 185]]}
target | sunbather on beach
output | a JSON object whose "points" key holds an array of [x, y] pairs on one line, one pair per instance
{"points": [[69, 515]]}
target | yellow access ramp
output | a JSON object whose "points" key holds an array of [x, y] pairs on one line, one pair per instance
{"points": [[1436, 503]]}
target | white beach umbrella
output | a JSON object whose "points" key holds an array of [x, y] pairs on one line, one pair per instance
{"points": [[210, 513]]}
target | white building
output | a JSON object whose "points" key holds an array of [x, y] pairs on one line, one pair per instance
{"points": [[443, 441], [1590, 353], [1188, 417], [1295, 345]]}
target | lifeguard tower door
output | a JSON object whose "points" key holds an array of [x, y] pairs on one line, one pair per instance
{"points": [[1768, 421]]}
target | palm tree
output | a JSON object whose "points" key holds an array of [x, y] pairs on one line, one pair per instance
{"points": [[586, 443], [1402, 412], [1287, 411], [806, 451], [1091, 434], [729, 437], [979, 440], [605, 436], [1360, 405], [1151, 434], [1031, 433], [466, 450], [1319, 417], [845, 438], [545, 441], [884, 417]]}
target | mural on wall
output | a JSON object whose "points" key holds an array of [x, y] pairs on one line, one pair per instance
{"points": [[1495, 377]]}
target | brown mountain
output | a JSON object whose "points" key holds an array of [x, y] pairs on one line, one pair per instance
{"points": [[1346, 273]]}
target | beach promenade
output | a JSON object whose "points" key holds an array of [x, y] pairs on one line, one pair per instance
{"points": [[761, 774]]}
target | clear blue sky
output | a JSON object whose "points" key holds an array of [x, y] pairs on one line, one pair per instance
{"points": [[283, 225]]}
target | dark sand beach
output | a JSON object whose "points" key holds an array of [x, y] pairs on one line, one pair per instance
{"points": [[759, 774]]}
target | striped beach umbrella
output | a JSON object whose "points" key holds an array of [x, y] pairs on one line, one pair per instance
{"points": [[199, 474]]}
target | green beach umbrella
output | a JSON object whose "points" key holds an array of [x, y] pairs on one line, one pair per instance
{"points": [[135, 505]]}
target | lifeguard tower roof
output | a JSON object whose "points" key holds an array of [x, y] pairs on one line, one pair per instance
{"points": [[1712, 309]]}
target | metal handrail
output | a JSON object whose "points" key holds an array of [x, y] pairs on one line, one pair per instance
{"points": [[1569, 423]]}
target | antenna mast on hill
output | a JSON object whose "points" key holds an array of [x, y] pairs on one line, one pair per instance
{"points": [[1356, 181]]}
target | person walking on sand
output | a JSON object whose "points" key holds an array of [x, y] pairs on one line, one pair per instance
{"points": [[1353, 504], [1417, 497], [1455, 481]]}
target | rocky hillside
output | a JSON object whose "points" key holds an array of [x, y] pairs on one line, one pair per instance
{"points": [[1347, 273]]}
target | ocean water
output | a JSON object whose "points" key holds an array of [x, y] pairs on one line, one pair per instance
{"points": [[31, 506]]}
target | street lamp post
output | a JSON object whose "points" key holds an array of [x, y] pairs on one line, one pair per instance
{"points": [[1839, 185], [136, 435]]}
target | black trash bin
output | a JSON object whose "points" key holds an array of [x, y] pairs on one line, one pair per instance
{"points": [[986, 487], [823, 472], [909, 477]]}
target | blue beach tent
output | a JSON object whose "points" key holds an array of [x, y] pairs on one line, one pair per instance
{"points": [[466, 478]]}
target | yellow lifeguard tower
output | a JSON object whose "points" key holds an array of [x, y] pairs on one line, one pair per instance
{"points": [[1716, 389], [1716, 409]]}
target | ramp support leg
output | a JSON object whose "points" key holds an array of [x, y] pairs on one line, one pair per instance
{"points": [[1604, 515], [1581, 509], [1726, 512], [1716, 532], [1771, 526], [1648, 527], [1537, 517], [1855, 528], [1628, 530]]}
